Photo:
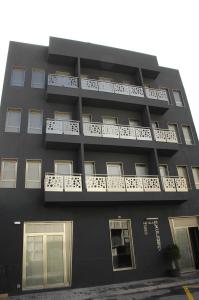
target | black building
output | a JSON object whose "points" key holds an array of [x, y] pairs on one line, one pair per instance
{"points": [[99, 167]]}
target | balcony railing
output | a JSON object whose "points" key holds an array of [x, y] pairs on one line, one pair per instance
{"points": [[157, 94], [62, 127], [117, 131], [165, 135], [62, 81], [105, 183], [174, 184], [112, 87], [63, 183]]}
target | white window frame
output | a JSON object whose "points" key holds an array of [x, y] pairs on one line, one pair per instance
{"points": [[115, 163], [7, 126], [167, 168], [29, 128], [182, 99], [179, 138], [90, 116], [63, 113], [94, 168], [38, 85], [61, 162], [24, 75], [191, 133], [131, 119], [188, 177], [26, 172], [2, 170], [143, 164], [196, 183], [110, 117]]}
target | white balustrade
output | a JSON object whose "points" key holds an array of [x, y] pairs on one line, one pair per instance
{"points": [[62, 127], [151, 184], [89, 84], [157, 94], [127, 132], [60, 183], [162, 95], [143, 134], [105, 86], [96, 183], [62, 81], [151, 93], [115, 184], [134, 184], [122, 89], [92, 129], [174, 184], [111, 131], [165, 135]]}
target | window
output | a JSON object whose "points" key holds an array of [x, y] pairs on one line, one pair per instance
{"points": [[109, 120], [182, 172], [63, 167], [18, 76], [63, 116], [86, 118], [141, 169], [33, 174], [154, 124], [174, 128], [187, 134], [163, 170], [13, 120], [35, 121], [178, 98], [195, 171], [121, 245], [89, 167], [38, 78], [134, 123], [114, 169], [8, 173], [47, 253]]}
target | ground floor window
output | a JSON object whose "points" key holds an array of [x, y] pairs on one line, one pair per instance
{"points": [[121, 245], [47, 254]]}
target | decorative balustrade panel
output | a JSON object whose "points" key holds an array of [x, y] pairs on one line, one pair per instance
{"points": [[127, 132], [151, 184], [62, 81], [72, 183], [92, 129], [160, 135], [111, 131], [96, 183], [169, 184], [151, 93], [115, 184], [106, 86], [171, 136], [162, 95], [54, 126], [136, 91], [89, 84], [181, 184], [134, 184], [121, 89], [71, 127], [54, 183], [143, 134]]}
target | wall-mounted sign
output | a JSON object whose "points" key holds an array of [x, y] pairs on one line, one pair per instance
{"points": [[154, 223]]}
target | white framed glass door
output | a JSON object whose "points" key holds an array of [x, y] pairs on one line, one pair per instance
{"points": [[141, 169], [164, 172], [63, 167], [114, 169]]}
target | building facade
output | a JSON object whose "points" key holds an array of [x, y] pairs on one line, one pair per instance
{"points": [[99, 167]]}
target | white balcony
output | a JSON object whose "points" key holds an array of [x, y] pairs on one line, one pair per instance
{"points": [[165, 135], [63, 183], [117, 131], [112, 87], [157, 94], [62, 81], [105, 183], [62, 127], [174, 184]]}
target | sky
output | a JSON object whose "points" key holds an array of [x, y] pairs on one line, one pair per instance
{"points": [[168, 29]]}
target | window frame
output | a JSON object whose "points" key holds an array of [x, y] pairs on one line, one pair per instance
{"points": [[36, 86], [94, 167], [178, 131], [112, 163], [132, 248], [145, 164], [64, 161], [24, 76], [131, 119], [35, 110], [90, 115], [63, 112], [188, 176], [40, 173], [16, 169], [192, 167], [191, 132], [111, 117], [182, 98], [6, 121], [167, 168]]}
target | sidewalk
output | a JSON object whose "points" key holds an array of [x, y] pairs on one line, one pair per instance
{"points": [[109, 291]]}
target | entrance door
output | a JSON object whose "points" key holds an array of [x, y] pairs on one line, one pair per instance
{"points": [[163, 170], [194, 237], [47, 255]]}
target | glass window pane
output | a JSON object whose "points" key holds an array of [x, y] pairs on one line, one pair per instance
{"points": [[178, 98], [33, 174], [13, 120], [89, 168], [187, 135], [163, 170], [35, 122], [141, 169], [18, 76], [38, 78], [55, 259], [34, 261], [63, 167], [114, 169], [86, 118], [8, 173], [63, 116], [195, 171], [109, 120], [121, 244]]}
